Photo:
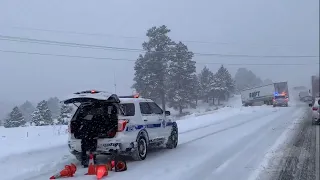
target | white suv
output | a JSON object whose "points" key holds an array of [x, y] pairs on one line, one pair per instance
{"points": [[315, 110], [136, 125]]}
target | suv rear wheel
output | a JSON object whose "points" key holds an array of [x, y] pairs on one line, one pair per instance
{"points": [[141, 151]]}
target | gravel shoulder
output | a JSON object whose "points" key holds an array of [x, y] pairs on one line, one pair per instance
{"points": [[298, 158]]}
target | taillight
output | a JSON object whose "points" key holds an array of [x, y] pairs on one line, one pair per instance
{"points": [[315, 108], [122, 125], [69, 129]]}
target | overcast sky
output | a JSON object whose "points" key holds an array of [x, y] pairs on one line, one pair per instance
{"points": [[251, 27]]}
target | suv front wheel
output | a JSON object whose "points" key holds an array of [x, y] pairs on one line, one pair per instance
{"points": [[173, 138]]}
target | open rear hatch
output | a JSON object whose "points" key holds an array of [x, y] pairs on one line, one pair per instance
{"points": [[97, 115]]}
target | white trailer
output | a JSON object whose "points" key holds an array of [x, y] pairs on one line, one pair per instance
{"points": [[265, 93]]}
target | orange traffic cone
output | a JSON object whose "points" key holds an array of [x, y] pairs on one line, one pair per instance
{"points": [[120, 166], [101, 171], [68, 171], [91, 168], [73, 168]]}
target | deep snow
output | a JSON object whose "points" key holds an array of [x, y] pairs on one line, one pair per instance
{"points": [[229, 143]]}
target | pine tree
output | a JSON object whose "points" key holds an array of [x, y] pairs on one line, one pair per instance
{"points": [[181, 91], [205, 80], [15, 119], [65, 114], [37, 119], [27, 109], [54, 106], [218, 85], [42, 114], [151, 68], [227, 78]]}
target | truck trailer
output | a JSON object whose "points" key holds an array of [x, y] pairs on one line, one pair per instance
{"points": [[315, 86], [268, 94]]}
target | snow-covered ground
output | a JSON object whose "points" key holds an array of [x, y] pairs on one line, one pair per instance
{"points": [[229, 143]]}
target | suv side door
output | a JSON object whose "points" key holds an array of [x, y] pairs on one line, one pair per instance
{"points": [[150, 121], [159, 114]]}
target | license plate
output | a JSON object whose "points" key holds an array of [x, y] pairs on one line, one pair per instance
{"points": [[105, 145]]}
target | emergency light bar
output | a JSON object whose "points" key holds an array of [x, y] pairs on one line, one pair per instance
{"points": [[88, 92], [132, 96]]}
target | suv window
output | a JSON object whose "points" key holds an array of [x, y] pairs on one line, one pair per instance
{"points": [[128, 109], [145, 108], [155, 108]]}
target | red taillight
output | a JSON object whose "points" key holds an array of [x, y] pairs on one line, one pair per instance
{"points": [[122, 125], [315, 109], [69, 129]]}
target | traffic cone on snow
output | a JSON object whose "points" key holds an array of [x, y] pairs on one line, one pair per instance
{"points": [[91, 168], [68, 171], [120, 165], [102, 171]]}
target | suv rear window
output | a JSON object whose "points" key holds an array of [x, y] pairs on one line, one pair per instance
{"points": [[92, 111], [128, 109]]}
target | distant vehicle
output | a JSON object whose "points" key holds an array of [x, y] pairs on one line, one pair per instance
{"points": [[307, 99], [123, 125], [265, 93], [315, 105], [303, 94], [280, 100]]}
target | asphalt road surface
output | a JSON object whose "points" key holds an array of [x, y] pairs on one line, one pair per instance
{"points": [[300, 157]]}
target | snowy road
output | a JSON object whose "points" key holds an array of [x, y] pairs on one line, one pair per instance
{"points": [[232, 147]]}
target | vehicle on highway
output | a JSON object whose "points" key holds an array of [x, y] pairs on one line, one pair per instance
{"points": [[280, 100], [137, 125], [265, 93], [315, 105]]}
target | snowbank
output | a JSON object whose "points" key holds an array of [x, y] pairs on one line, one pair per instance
{"points": [[32, 138]]}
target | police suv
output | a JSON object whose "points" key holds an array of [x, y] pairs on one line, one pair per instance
{"points": [[125, 125]]}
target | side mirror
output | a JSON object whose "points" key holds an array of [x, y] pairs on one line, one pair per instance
{"points": [[310, 105], [167, 113]]}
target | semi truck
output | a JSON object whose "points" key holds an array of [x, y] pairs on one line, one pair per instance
{"points": [[266, 94], [315, 86]]}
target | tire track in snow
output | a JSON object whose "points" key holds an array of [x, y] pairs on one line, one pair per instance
{"points": [[258, 117], [212, 165]]}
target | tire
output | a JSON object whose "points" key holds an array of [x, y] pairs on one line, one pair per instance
{"points": [[173, 138], [142, 149]]}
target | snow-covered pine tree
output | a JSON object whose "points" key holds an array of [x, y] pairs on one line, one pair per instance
{"points": [[151, 68], [15, 119], [54, 107], [65, 114], [227, 78], [37, 119], [181, 91], [27, 109], [45, 117], [218, 86], [205, 80]]}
